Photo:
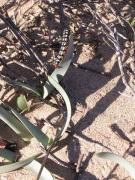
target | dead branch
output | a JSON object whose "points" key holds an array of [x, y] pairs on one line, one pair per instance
{"points": [[113, 37]]}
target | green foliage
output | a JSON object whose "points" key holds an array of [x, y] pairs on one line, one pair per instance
{"points": [[35, 166], [17, 165], [67, 102], [7, 154], [22, 103], [133, 22], [34, 131], [7, 117], [23, 127]]}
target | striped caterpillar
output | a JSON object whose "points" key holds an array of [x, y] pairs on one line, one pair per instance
{"points": [[63, 48], [53, 1]]}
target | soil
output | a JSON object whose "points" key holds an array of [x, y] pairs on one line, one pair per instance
{"points": [[102, 108]]}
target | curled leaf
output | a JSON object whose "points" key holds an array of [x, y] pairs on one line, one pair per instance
{"points": [[22, 103], [35, 132], [59, 88], [8, 118], [118, 159], [14, 166], [35, 166]]}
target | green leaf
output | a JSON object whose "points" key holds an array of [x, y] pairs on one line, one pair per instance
{"points": [[67, 102], [14, 166], [50, 142], [29, 164], [35, 166], [14, 124], [133, 22], [22, 103], [60, 72], [9, 155], [118, 159], [28, 88], [36, 132]]}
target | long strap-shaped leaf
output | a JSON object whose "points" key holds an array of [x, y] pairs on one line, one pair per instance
{"points": [[59, 72], [120, 160], [35, 166], [14, 124], [28, 163], [28, 88], [9, 155], [36, 132], [57, 86], [14, 166]]}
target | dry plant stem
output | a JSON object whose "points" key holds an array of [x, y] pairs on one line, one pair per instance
{"points": [[78, 167], [17, 10], [33, 4], [7, 67], [25, 66], [91, 69], [19, 63], [79, 163], [15, 46], [113, 38], [45, 158], [119, 58], [120, 63], [120, 18], [123, 74], [20, 36], [114, 49]]}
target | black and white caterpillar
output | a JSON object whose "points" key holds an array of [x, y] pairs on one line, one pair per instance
{"points": [[53, 1], [63, 48]]}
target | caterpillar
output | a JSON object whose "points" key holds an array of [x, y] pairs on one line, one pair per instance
{"points": [[63, 48], [53, 1]]}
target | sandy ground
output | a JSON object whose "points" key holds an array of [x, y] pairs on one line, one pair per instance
{"points": [[103, 118]]}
